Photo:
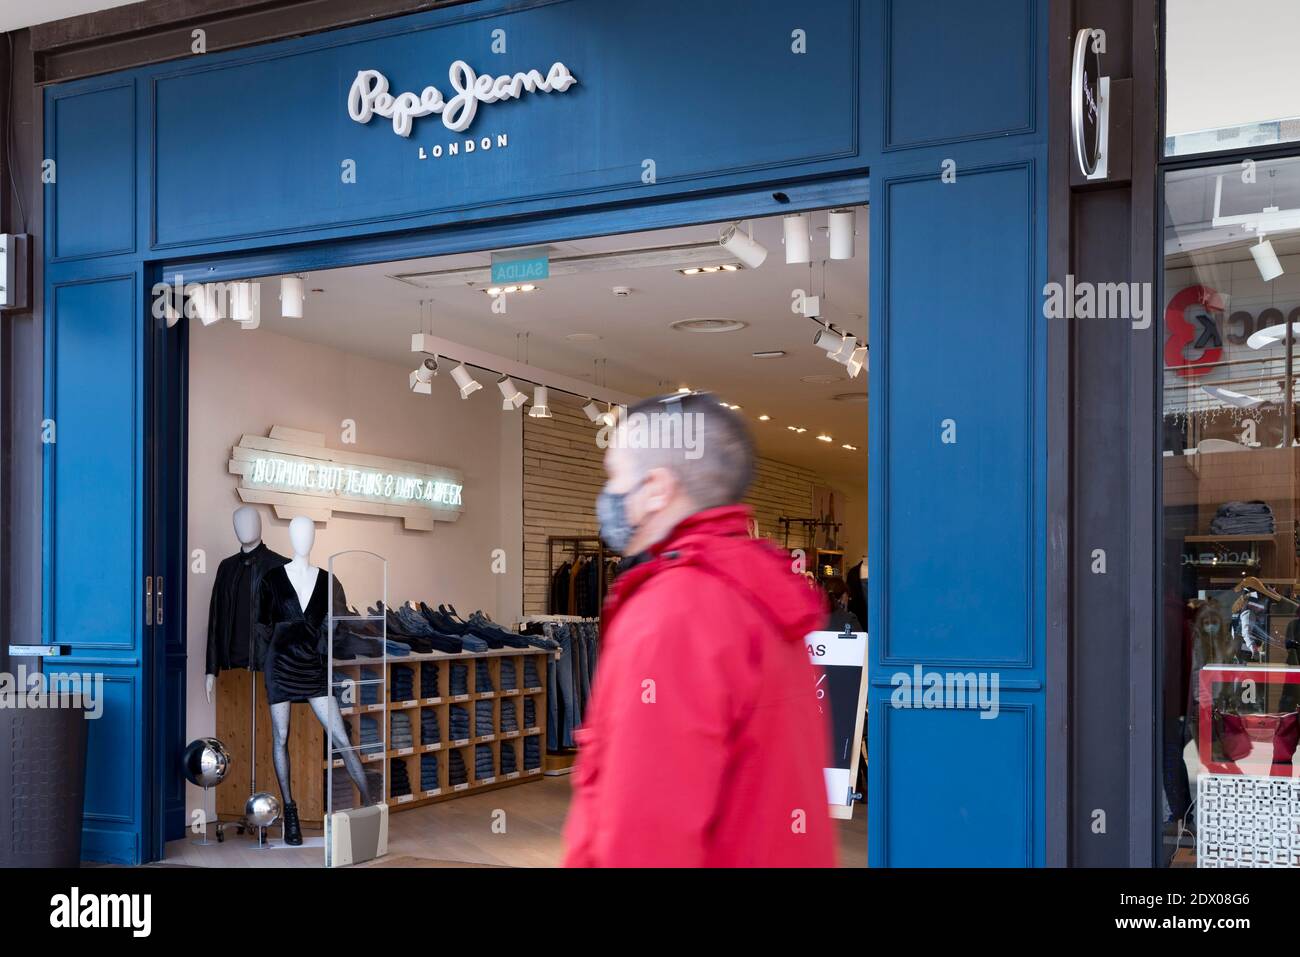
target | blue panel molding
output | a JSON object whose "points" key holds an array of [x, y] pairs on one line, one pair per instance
{"points": [[88, 175], [972, 62], [1024, 365]]}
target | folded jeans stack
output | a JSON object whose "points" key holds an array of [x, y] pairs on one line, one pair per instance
{"points": [[483, 718], [428, 772], [508, 765], [530, 712], [484, 766], [370, 740], [531, 678], [508, 722], [402, 687], [508, 674], [459, 680], [429, 679], [374, 783], [482, 677], [532, 752], [459, 730], [399, 782], [400, 731], [456, 773], [1243, 518], [429, 730], [370, 681]]}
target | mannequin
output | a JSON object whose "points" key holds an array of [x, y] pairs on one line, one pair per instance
{"points": [[232, 613], [293, 606], [857, 585]]}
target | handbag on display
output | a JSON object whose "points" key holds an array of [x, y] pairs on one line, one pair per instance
{"points": [[1231, 735]]}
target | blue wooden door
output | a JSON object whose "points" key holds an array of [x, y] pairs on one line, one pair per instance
{"points": [[94, 540], [957, 454]]}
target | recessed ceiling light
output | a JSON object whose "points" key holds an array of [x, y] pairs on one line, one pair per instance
{"points": [[850, 397], [824, 438], [711, 270], [851, 448], [774, 354], [683, 390], [582, 337], [765, 418], [709, 325], [495, 291], [734, 408], [826, 379], [795, 428]]}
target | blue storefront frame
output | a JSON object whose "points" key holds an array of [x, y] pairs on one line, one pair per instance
{"points": [[957, 528]]}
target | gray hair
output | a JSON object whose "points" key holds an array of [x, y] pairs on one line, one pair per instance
{"points": [[714, 463]]}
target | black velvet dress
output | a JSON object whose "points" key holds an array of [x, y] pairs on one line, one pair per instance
{"points": [[295, 655]]}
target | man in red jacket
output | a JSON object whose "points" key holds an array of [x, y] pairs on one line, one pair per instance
{"points": [[702, 745]]}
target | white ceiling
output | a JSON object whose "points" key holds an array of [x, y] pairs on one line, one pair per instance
{"points": [[364, 310], [17, 14]]}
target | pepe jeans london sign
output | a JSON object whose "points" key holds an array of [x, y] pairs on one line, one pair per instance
{"points": [[293, 471], [370, 97]]}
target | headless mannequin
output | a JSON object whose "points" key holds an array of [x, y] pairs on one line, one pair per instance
{"points": [[248, 529], [305, 578]]}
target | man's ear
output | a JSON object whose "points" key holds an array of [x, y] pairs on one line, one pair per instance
{"points": [[660, 489]]}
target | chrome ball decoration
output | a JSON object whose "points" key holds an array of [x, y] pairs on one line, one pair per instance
{"points": [[205, 762], [262, 809]]}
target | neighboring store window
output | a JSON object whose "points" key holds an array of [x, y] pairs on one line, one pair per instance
{"points": [[1231, 475], [1230, 77]]}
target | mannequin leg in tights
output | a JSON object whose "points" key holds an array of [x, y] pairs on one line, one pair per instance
{"points": [[327, 713], [280, 746]]}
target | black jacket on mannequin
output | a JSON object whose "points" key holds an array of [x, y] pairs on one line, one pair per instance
{"points": [[232, 614], [857, 586]]}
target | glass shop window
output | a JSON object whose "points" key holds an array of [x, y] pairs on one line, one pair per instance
{"points": [[1231, 479], [1230, 75]]}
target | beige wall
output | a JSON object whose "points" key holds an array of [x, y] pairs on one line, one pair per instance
{"points": [[245, 382]]}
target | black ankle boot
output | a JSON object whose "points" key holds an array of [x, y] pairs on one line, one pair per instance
{"points": [[292, 829]]}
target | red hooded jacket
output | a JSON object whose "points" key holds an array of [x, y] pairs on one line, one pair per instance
{"points": [[702, 745]]}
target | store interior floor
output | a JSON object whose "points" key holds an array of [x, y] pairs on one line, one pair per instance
{"points": [[460, 833]]}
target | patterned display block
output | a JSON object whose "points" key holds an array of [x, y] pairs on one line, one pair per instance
{"points": [[1247, 821]]}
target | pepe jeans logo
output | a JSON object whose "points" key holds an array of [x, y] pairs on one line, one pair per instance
{"points": [[370, 96]]}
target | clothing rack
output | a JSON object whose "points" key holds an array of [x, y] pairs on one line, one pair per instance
{"points": [[808, 525], [573, 547]]}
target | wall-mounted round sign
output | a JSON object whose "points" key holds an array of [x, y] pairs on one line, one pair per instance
{"points": [[1085, 101]]}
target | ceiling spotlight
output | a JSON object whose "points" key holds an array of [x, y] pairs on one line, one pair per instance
{"points": [[1266, 259], [1272, 335], [743, 247], [292, 295], [798, 242], [540, 410], [422, 377], [683, 390], [765, 418], [206, 306], [844, 353], [245, 302], [857, 361], [511, 397], [830, 341], [592, 410], [464, 381], [840, 228], [610, 415]]}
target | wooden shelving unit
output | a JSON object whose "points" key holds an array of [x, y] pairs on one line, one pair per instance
{"points": [[441, 701]]}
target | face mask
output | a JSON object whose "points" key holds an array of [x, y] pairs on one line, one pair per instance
{"points": [[611, 512]]}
